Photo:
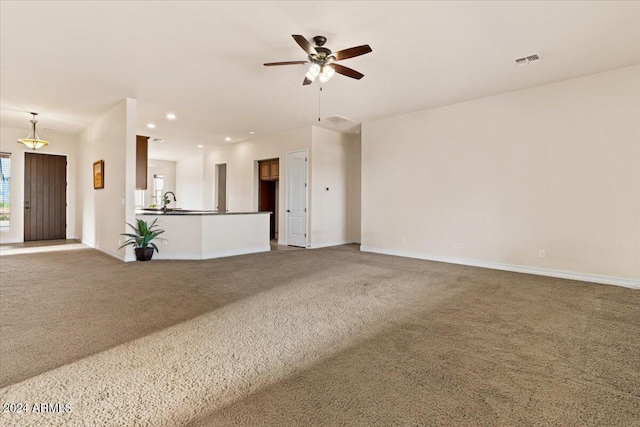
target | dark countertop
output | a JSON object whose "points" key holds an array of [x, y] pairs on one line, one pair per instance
{"points": [[183, 212]]}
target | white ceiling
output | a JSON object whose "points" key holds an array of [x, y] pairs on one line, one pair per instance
{"points": [[72, 61]]}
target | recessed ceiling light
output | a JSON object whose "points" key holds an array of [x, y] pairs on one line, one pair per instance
{"points": [[228, 138], [252, 133], [151, 126], [171, 116], [200, 146]]}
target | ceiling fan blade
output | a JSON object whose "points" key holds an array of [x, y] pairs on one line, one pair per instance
{"points": [[352, 52], [346, 71], [307, 81], [304, 44], [270, 64]]}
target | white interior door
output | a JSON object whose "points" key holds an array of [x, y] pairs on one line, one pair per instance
{"points": [[297, 198]]}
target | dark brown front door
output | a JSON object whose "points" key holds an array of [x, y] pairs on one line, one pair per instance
{"points": [[45, 197]]}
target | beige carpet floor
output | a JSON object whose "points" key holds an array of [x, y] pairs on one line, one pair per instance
{"points": [[312, 337]]}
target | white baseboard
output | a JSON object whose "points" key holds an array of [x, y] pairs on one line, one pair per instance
{"points": [[90, 244], [328, 244], [10, 240], [323, 245], [593, 278], [211, 255], [108, 252], [4, 240]]}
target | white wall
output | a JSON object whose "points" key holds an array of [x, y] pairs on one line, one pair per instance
{"points": [[335, 162], [242, 178], [60, 144], [160, 167], [354, 189], [111, 138], [494, 180], [189, 183]]}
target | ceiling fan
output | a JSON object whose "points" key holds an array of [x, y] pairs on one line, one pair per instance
{"points": [[322, 60]]}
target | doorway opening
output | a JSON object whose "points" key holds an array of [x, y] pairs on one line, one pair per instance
{"points": [[45, 197], [268, 186], [221, 187]]}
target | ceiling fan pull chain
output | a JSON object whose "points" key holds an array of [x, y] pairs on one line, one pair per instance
{"points": [[320, 93]]}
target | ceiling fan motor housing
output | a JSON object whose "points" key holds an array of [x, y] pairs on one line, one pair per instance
{"points": [[323, 53], [319, 40]]}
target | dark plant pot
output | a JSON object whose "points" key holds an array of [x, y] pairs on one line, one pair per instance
{"points": [[144, 254]]}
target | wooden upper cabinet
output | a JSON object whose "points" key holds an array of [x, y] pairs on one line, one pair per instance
{"points": [[264, 170], [269, 170], [142, 147]]}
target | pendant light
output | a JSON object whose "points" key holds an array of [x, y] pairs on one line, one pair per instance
{"points": [[32, 141]]}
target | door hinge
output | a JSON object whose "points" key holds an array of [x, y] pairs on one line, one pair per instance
{"points": [[305, 159], [305, 209], [305, 234], [305, 184]]}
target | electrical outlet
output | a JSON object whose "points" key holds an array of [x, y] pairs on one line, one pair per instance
{"points": [[542, 254], [458, 245]]}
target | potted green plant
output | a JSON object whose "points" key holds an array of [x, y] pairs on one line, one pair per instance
{"points": [[142, 239]]}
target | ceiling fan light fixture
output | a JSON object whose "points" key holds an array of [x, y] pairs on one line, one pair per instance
{"points": [[33, 141], [313, 72], [326, 74]]}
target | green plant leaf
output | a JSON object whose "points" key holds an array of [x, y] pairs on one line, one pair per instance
{"points": [[143, 235]]}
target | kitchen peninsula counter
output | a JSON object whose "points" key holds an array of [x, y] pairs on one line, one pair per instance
{"points": [[195, 235], [193, 212]]}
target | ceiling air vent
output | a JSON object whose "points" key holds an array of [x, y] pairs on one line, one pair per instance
{"points": [[528, 59], [156, 140], [338, 120], [339, 124]]}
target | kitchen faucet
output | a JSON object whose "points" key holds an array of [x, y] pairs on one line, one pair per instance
{"points": [[166, 201]]}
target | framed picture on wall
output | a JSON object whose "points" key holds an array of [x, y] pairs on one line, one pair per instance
{"points": [[98, 174]]}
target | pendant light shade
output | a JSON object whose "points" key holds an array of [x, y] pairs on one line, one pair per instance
{"points": [[33, 141]]}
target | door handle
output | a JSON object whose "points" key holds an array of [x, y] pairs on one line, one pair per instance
{"points": [[288, 210]]}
